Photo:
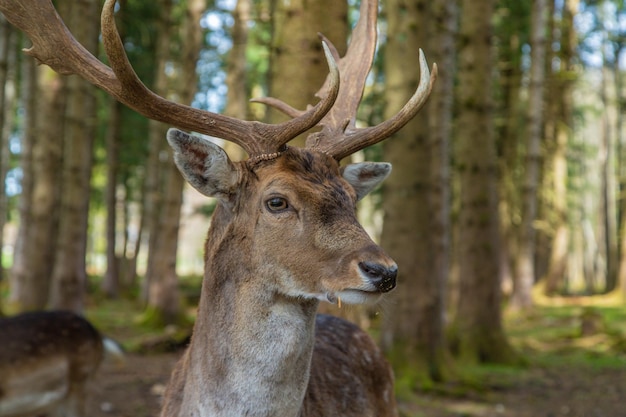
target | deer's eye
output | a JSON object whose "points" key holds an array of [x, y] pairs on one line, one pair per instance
{"points": [[277, 204]]}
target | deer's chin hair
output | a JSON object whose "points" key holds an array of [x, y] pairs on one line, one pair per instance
{"points": [[350, 296]]}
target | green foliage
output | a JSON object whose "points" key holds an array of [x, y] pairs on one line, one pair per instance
{"points": [[153, 318], [134, 328], [550, 338], [593, 337]]}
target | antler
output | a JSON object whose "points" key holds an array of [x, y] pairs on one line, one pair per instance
{"points": [[339, 136], [54, 45]]}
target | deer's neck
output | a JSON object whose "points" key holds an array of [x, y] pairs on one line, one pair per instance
{"points": [[252, 348]]}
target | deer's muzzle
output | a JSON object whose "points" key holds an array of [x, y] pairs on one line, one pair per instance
{"points": [[381, 276]]}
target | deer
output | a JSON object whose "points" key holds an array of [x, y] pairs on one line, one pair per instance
{"points": [[283, 238], [47, 359]]}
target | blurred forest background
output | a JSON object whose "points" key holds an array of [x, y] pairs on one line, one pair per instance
{"points": [[507, 190]]}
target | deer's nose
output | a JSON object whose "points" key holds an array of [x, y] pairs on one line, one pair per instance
{"points": [[381, 276]]}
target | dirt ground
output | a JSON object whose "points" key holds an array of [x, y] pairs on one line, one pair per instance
{"points": [[135, 390], [131, 389]]}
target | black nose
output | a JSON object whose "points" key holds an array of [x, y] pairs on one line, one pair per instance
{"points": [[383, 277]]}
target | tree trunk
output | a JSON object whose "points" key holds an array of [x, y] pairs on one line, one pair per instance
{"points": [[297, 64], [8, 86], [621, 109], [545, 233], [442, 37], [163, 297], [111, 280], [237, 96], [20, 262], [525, 265], [563, 125], [69, 274], [414, 196], [608, 210], [153, 188], [34, 253], [512, 33], [477, 334]]}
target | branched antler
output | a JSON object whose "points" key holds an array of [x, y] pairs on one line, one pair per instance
{"points": [[54, 45], [339, 136]]}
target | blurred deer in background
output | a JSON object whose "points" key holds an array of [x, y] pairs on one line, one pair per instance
{"points": [[283, 237], [46, 360]]}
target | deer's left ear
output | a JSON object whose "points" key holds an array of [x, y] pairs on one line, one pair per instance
{"points": [[365, 176]]}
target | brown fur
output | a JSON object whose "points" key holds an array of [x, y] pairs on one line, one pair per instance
{"points": [[343, 351], [42, 353]]}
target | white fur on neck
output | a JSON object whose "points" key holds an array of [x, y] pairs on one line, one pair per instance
{"points": [[268, 366]]}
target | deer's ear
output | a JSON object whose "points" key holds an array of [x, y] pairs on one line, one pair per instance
{"points": [[203, 164], [365, 176]]}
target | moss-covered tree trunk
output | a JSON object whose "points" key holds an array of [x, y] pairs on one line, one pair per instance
{"points": [[44, 95], [297, 64], [525, 263], [442, 34], [163, 296], [562, 103], [477, 333], [513, 34], [415, 223], [69, 274], [111, 280]]}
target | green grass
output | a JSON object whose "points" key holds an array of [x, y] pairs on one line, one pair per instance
{"points": [[554, 336], [548, 338]]}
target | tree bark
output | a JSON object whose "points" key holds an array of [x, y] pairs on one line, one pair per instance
{"points": [[69, 275], [443, 30], [111, 280], [563, 126], [28, 97], [525, 265], [155, 174], [297, 64], [163, 297], [513, 34], [477, 333], [8, 87], [237, 103], [620, 285], [415, 203], [608, 232], [41, 164]]}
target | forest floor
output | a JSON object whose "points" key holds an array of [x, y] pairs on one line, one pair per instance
{"points": [[135, 390], [571, 371]]}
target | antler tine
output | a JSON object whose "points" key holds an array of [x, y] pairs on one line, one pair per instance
{"points": [[331, 56], [54, 45], [353, 140], [339, 136], [353, 67], [254, 137], [320, 110]]}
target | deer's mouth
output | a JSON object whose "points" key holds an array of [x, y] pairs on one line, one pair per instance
{"points": [[353, 296]]}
